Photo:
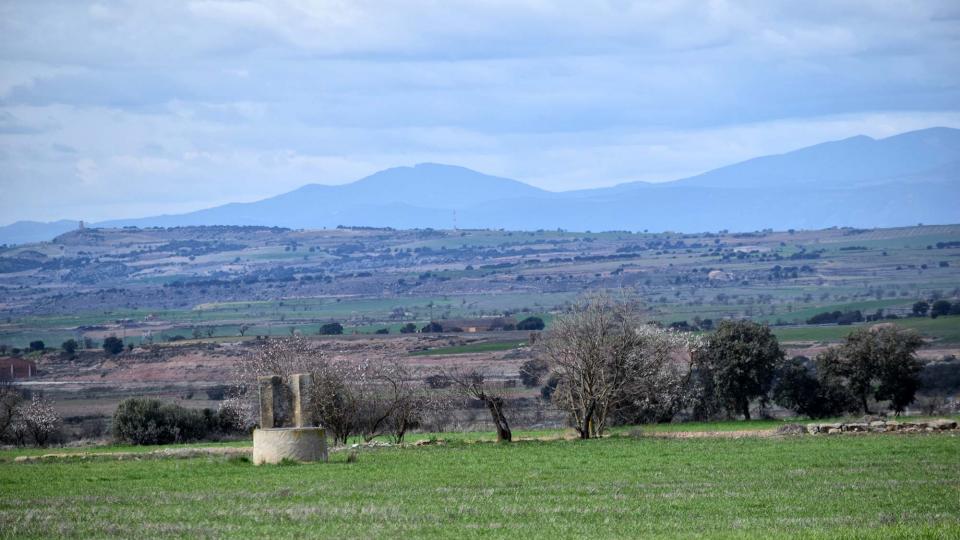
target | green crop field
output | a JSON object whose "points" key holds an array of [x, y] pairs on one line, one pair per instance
{"points": [[843, 486], [471, 348], [943, 329]]}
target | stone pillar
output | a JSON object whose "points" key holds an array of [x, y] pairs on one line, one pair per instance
{"points": [[270, 396], [301, 385]]}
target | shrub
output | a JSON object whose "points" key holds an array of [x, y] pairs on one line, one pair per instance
{"points": [[531, 323], [940, 307], [37, 345], [151, 421], [113, 345], [331, 329], [532, 371], [438, 381], [69, 347], [432, 326], [408, 328], [940, 378], [218, 392]]}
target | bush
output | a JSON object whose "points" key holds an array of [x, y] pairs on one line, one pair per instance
{"points": [[940, 378], [331, 329], [113, 345], [531, 323], [532, 371], [70, 347], [37, 345], [151, 421], [408, 328], [432, 327], [217, 393], [940, 307], [437, 381]]}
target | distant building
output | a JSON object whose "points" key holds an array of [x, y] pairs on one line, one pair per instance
{"points": [[17, 368]]}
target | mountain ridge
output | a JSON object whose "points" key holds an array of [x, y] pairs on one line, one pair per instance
{"points": [[835, 183]]}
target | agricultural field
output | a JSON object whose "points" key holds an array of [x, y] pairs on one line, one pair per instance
{"points": [[187, 302], [903, 486], [164, 285]]}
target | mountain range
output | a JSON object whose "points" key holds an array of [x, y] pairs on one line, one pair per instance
{"points": [[906, 179]]}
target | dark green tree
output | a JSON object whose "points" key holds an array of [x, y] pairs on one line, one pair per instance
{"points": [[69, 347], [940, 307], [531, 323], [408, 328], [879, 361], [331, 329], [920, 308], [742, 357], [113, 345], [800, 387], [37, 345], [432, 326]]}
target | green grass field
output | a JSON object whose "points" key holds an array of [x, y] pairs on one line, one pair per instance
{"points": [[843, 486], [942, 329], [492, 346]]}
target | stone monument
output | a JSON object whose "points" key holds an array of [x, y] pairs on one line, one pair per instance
{"points": [[273, 441]]}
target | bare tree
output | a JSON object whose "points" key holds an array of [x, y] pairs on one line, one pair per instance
{"points": [[475, 385], [10, 400], [367, 398], [606, 361]]}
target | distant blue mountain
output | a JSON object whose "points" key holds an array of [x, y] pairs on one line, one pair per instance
{"points": [[420, 196], [861, 182], [24, 232]]}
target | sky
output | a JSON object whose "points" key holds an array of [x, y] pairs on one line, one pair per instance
{"points": [[128, 109]]}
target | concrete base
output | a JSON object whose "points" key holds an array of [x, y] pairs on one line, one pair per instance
{"points": [[299, 444]]}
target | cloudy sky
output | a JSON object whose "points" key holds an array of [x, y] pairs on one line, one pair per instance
{"points": [[125, 109]]}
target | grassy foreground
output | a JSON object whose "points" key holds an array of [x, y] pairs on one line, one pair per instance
{"points": [[867, 486]]}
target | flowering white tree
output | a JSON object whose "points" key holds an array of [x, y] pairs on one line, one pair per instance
{"points": [[40, 419]]}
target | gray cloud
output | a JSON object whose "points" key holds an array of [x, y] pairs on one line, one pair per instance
{"points": [[171, 106]]}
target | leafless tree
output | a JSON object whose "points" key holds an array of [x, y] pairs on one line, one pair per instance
{"points": [[475, 384], [607, 360], [10, 400], [366, 398]]}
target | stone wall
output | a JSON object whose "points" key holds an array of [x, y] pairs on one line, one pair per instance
{"points": [[883, 426]]}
